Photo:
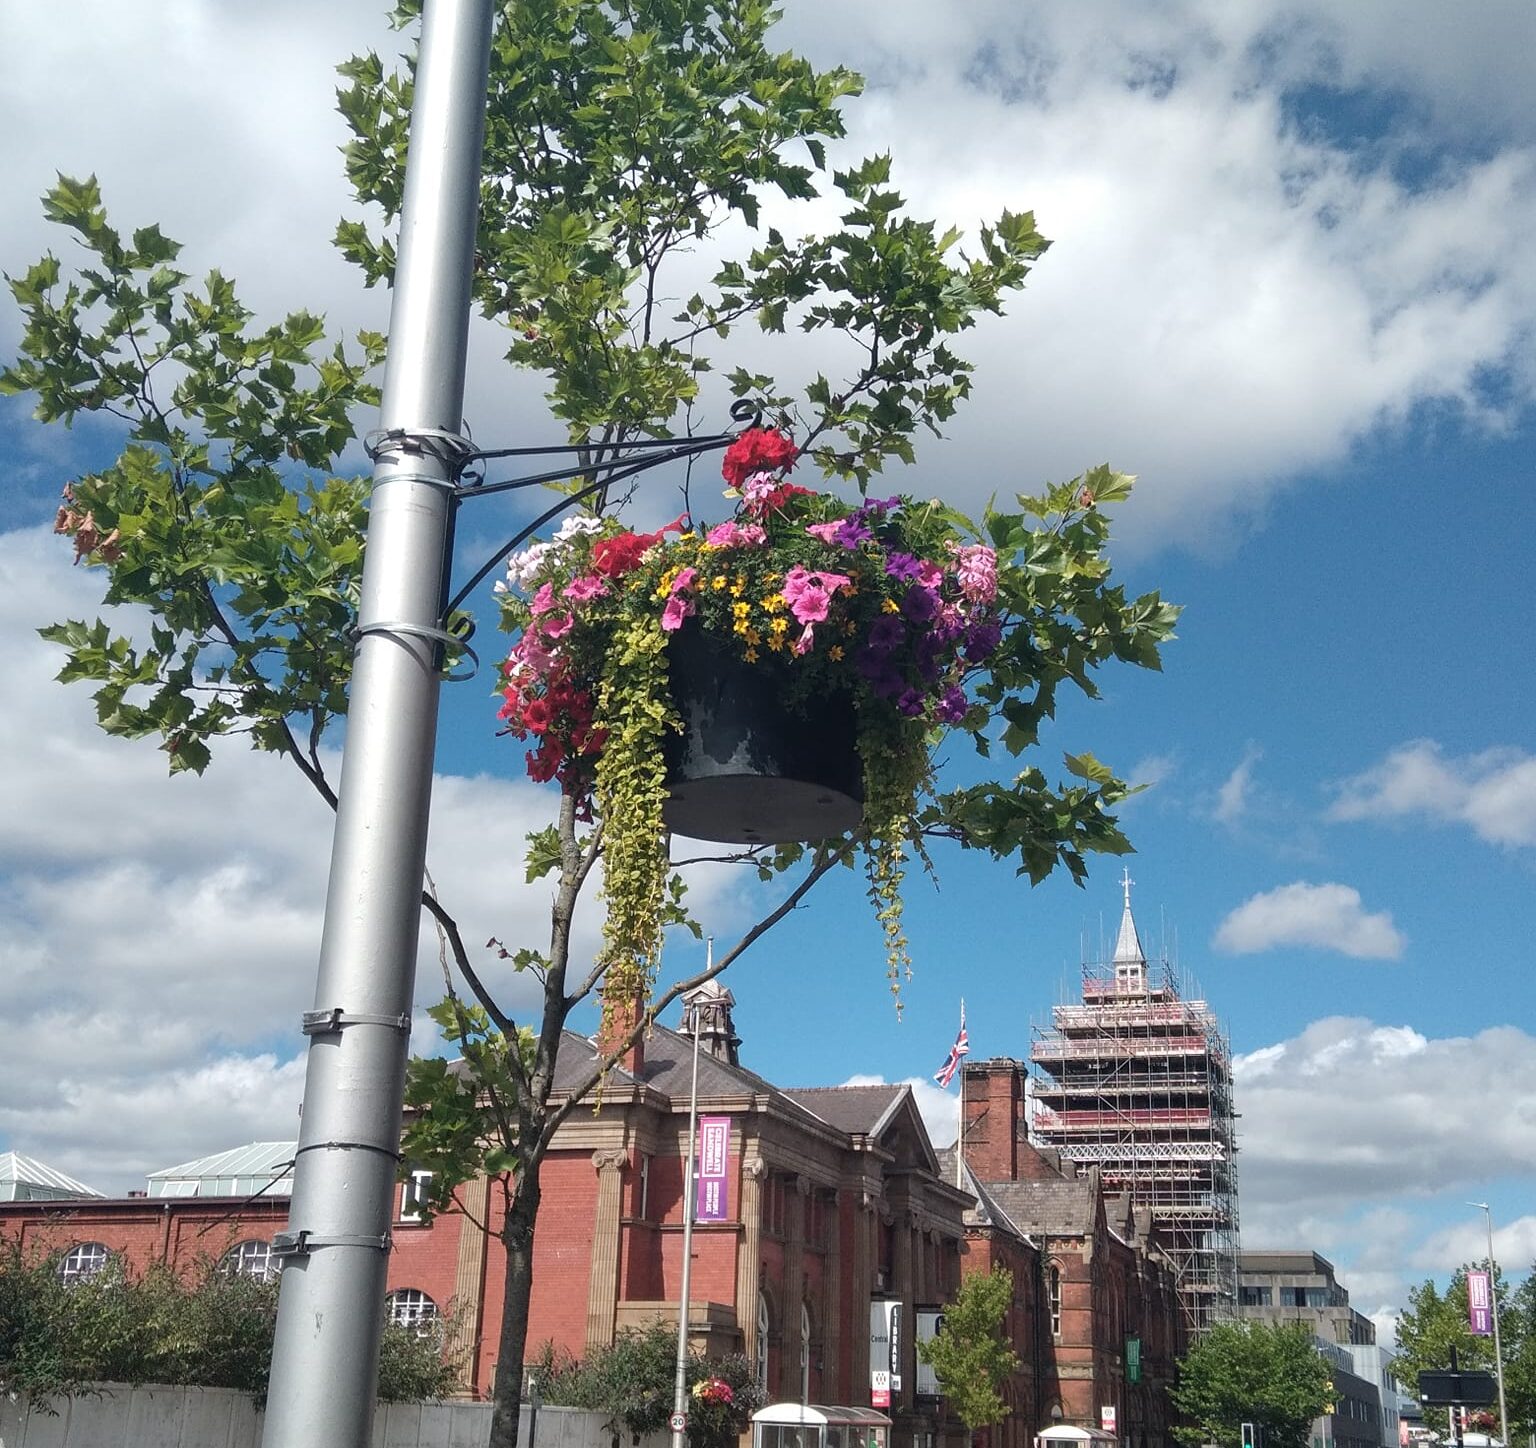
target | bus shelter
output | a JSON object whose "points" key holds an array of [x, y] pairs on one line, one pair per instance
{"points": [[814, 1425]]}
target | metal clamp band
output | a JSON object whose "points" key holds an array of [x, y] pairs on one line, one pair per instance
{"points": [[323, 1023], [417, 440], [302, 1243], [417, 630], [390, 1152]]}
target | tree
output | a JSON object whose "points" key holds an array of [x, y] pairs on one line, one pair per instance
{"points": [[1251, 1372], [619, 139], [1434, 1322], [971, 1355]]}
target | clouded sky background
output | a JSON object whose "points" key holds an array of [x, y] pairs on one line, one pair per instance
{"points": [[1292, 288]]}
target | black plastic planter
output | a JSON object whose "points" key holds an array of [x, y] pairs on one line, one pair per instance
{"points": [[747, 770]]}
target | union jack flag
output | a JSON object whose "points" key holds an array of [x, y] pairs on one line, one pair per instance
{"points": [[962, 1047]]}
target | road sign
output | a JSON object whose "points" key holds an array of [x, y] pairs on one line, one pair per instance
{"points": [[678, 1422], [1439, 1388]]}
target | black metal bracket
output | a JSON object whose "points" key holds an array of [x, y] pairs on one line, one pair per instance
{"points": [[620, 462]]}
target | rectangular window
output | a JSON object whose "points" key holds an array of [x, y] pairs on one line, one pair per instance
{"points": [[1254, 1296], [413, 1193]]}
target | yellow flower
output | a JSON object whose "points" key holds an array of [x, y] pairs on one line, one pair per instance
{"points": [[889, 605], [835, 652], [717, 582], [774, 603], [750, 655], [779, 627], [753, 636], [741, 610]]}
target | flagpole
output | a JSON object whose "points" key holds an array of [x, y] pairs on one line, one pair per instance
{"points": [[960, 1113]]}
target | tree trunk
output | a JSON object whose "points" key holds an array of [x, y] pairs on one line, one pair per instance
{"points": [[517, 1237]]}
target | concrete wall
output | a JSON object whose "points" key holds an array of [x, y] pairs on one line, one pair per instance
{"points": [[156, 1417]]}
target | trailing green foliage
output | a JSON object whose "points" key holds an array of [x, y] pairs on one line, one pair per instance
{"points": [[633, 1381], [971, 1355], [1252, 1372], [211, 1328]]}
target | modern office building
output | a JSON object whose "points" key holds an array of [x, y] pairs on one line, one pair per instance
{"points": [[1136, 1081]]}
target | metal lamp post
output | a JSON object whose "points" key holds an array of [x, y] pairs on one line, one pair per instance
{"points": [[1498, 1347], [335, 1251], [679, 1420]]}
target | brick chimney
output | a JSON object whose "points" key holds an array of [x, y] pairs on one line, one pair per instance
{"points": [[994, 1117], [619, 1019]]}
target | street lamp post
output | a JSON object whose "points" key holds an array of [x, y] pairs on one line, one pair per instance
{"points": [[680, 1379], [1498, 1347]]}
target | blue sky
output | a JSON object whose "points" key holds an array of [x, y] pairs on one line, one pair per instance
{"points": [[1291, 288]]}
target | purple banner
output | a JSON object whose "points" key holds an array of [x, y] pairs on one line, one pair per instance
{"points": [[712, 1203], [1479, 1304]]}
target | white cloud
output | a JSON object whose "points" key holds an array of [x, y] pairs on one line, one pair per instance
{"points": [[1232, 798], [1351, 1114], [1151, 770], [1231, 301], [1492, 792], [1514, 1245], [1353, 1135], [1328, 917]]}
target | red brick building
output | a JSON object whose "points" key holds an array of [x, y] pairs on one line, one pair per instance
{"points": [[827, 1205]]}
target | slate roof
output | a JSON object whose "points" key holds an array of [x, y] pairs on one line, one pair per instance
{"points": [[24, 1179], [1056, 1208], [853, 1110]]}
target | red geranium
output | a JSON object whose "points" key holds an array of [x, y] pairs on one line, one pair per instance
{"points": [[621, 554], [757, 450]]}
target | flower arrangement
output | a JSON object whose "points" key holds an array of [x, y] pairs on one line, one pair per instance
{"points": [[888, 603], [714, 1390]]}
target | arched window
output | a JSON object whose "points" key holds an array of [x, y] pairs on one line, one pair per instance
{"points": [[250, 1259], [81, 1261], [411, 1307], [762, 1342], [1053, 1296], [805, 1353]]}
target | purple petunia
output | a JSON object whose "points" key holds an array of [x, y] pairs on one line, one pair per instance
{"points": [[903, 567], [920, 605], [952, 705], [982, 639], [886, 633]]}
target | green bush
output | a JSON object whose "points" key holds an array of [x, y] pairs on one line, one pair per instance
{"points": [[210, 1329], [633, 1381]]}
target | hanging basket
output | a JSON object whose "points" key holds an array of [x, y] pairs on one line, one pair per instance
{"points": [[747, 770]]}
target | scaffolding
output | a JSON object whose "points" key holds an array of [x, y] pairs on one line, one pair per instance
{"points": [[1137, 1081]]}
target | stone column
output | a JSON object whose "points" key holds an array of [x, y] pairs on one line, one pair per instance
{"points": [[794, 1292], [603, 1291], [864, 1257], [468, 1322], [749, 1253], [832, 1384]]}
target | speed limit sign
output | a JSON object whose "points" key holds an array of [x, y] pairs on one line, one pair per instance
{"points": [[677, 1422]]}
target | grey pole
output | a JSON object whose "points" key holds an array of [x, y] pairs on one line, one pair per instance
{"points": [[334, 1254], [680, 1375], [1498, 1346]]}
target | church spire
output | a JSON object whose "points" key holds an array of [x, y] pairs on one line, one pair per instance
{"points": [[1130, 961]]}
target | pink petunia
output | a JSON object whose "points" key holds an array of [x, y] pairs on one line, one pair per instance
{"points": [[543, 600], [585, 588], [676, 609], [809, 595], [736, 535]]}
